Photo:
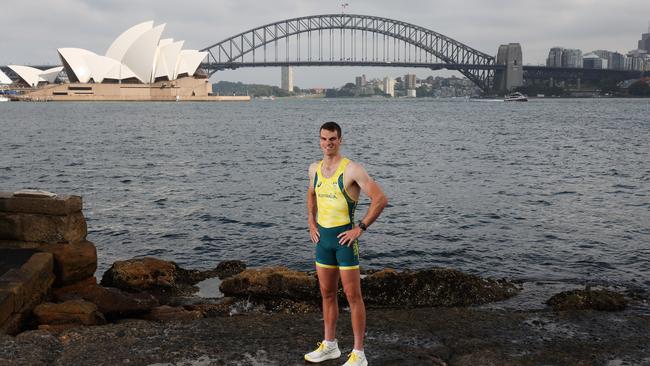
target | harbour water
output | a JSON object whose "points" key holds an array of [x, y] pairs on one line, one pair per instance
{"points": [[550, 190]]}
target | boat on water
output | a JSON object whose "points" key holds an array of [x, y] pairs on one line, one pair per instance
{"points": [[4, 99], [515, 97]]}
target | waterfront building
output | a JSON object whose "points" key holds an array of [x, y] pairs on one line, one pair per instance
{"points": [[637, 60], [555, 57], [617, 61], [572, 58], [411, 93], [593, 61], [409, 81], [287, 78], [360, 81], [136, 56], [389, 86]]}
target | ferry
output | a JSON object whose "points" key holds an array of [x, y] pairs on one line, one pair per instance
{"points": [[4, 99], [515, 97]]}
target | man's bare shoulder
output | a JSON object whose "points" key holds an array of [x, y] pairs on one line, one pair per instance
{"points": [[312, 169], [355, 170]]}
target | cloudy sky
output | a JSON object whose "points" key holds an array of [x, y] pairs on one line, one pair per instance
{"points": [[32, 30]]}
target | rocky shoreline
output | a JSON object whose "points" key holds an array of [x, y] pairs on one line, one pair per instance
{"points": [[145, 312]]}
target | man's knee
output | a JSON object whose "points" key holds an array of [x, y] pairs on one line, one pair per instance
{"points": [[353, 294], [328, 292]]}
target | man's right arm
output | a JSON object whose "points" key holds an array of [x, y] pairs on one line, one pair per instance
{"points": [[312, 208]]}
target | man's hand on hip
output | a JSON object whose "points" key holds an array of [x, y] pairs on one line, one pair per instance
{"points": [[348, 237]]}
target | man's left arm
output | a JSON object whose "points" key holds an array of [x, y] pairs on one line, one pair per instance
{"points": [[378, 202]]}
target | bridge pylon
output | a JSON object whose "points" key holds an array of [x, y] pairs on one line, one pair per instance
{"points": [[512, 75]]}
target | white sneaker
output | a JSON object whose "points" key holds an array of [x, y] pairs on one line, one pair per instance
{"points": [[325, 351], [357, 358]]}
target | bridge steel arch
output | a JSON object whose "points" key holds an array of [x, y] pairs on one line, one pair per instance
{"points": [[230, 52]]}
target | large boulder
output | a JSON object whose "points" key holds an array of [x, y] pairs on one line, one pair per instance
{"points": [[112, 302], [142, 274], [272, 282], [69, 312], [588, 299], [73, 262], [432, 287], [27, 227], [230, 268]]}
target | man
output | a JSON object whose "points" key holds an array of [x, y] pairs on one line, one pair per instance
{"points": [[335, 184]]}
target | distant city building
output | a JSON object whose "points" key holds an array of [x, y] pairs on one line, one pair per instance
{"points": [[593, 61], [617, 61], [360, 81], [409, 81], [637, 60], [555, 57], [411, 93], [287, 78], [572, 57], [389, 86], [644, 42]]}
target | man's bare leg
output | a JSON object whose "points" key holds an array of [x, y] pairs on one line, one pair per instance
{"points": [[328, 279], [351, 279]]}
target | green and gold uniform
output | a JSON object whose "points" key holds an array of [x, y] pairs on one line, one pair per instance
{"points": [[335, 215]]}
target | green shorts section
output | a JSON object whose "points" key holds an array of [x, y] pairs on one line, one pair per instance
{"points": [[331, 254]]}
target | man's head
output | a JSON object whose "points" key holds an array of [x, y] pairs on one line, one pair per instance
{"points": [[330, 138], [333, 127]]}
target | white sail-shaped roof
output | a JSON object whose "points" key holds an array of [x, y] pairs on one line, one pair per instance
{"points": [[189, 61], [123, 42], [168, 55], [140, 55], [87, 65], [30, 75], [50, 75], [4, 79], [80, 63]]}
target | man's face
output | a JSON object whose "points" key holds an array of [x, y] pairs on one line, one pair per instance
{"points": [[330, 142]]}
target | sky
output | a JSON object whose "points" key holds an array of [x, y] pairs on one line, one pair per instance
{"points": [[32, 30]]}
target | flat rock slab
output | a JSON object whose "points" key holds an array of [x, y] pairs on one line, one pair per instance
{"points": [[60, 205], [423, 336], [43, 228]]}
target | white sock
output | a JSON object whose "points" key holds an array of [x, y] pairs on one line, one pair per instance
{"points": [[359, 352], [330, 343]]}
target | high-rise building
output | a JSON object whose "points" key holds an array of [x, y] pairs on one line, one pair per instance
{"points": [[593, 61], [637, 60], [572, 57], [389, 86], [555, 57], [409, 81], [287, 78], [617, 61], [644, 42]]}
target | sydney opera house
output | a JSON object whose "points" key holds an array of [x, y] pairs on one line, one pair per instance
{"points": [[138, 65]]}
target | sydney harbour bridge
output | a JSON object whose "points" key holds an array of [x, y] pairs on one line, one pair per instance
{"points": [[363, 40]]}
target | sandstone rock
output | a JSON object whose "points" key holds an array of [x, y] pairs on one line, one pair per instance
{"points": [[141, 274], [433, 287], [72, 262], [112, 302], [168, 313], [230, 268], [69, 312], [272, 282], [43, 228], [588, 299], [60, 206]]}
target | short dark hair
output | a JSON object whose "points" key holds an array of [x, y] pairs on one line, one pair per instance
{"points": [[332, 126]]}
